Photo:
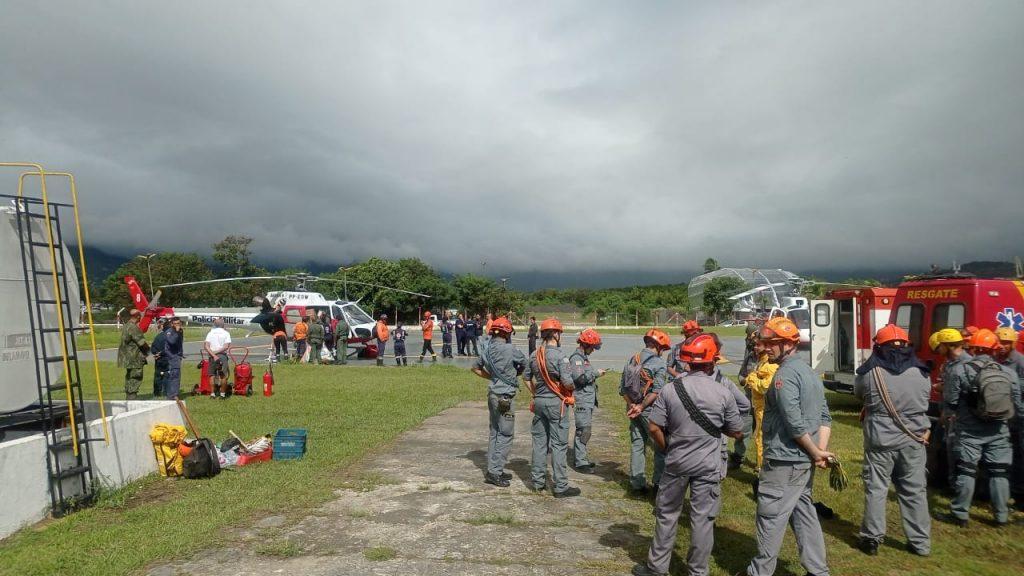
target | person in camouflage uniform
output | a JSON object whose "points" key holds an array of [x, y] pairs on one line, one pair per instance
{"points": [[131, 355]]}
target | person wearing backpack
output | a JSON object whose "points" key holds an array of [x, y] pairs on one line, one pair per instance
{"points": [[501, 363], [796, 433], [584, 377], [1011, 358], [688, 419], [895, 387], [642, 378], [549, 379], [984, 399]]}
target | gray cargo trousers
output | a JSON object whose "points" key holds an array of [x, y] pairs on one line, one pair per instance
{"points": [[705, 502], [784, 497], [501, 430], [906, 468]]}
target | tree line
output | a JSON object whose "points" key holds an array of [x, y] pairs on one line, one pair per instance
{"points": [[467, 292]]}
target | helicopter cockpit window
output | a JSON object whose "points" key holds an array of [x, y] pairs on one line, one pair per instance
{"points": [[356, 315]]}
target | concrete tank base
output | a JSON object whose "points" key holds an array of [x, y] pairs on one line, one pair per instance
{"points": [[128, 457]]}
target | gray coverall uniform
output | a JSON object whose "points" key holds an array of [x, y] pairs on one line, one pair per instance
{"points": [[504, 362], [746, 415], [889, 453], [639, 436], [692, 459], [979, 440], [1015, 361], [794, 406], [952, 369], [550, 428], [584, 377]]}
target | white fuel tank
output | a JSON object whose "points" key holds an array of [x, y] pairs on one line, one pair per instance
{"points": [[18, 386]]}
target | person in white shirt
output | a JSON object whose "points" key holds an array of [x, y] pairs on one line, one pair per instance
{"points": [[217, 345]]}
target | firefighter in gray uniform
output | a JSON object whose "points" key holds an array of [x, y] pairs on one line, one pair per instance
{"points": [[895, 387], [642, 379], [982, 427], [584, 377], [949, 344], [550, 381], [796, 432], [746, 414], [501, 363], [1009, 356], [687, 421]]}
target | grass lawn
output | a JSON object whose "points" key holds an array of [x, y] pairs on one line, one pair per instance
{"points": [[352, 411], [979, 550], [348, 411], [109, 337]]}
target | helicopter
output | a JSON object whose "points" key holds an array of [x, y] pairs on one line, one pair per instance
{"points": [[293, 305]]}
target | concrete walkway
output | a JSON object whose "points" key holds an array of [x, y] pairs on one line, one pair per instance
{"points": [[420, 507]]}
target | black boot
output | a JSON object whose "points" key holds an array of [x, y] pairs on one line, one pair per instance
{"points": [[869, 547], [496, 481]]}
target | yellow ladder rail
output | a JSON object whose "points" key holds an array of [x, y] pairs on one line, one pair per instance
{"points": [[56, 290], [88, 300]]}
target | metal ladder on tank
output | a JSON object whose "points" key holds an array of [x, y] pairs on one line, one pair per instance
{"points": [[68, 458]]}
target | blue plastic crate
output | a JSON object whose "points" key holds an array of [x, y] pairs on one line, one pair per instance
{"points": [[290, 443]]}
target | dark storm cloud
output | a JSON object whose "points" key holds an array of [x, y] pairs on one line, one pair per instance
{"points": [[639, 136]]}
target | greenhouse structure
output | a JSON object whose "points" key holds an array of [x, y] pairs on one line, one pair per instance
{"points": [[783, 283]]}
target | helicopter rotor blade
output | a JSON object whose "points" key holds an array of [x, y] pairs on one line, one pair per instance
{"points": [[219, 280]]}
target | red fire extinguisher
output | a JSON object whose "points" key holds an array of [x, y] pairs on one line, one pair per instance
{"points": [[268, 381]]}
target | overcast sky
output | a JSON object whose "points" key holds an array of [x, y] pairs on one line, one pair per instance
{"points": [[640, 135]]}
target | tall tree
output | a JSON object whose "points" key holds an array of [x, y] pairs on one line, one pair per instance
{"points": [[710, 265], [168, 268], [234, 255], [716, 300]]}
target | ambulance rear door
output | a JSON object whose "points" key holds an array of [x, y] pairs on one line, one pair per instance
{"points": [[823, 326]]}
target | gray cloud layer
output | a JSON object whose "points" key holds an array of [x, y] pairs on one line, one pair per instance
{"points": [[638, 135]]}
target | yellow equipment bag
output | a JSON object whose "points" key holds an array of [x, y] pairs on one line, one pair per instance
{"points": [[165, 438]]}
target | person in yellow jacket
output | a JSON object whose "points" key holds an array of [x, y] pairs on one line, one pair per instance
{"points": [[758, 381]]}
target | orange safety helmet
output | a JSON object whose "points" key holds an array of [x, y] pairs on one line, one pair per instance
{"points": [[984, 339], [501, 325], [691, 327], [1006, 334], [551, 324], [700, 350], [659, 337], [426, 314], [891, 333], [591, 338], [780, 328]]}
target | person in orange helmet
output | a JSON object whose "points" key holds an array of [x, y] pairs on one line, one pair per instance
{"points": [[984, 398], [687, 420], [428, 337], [796, 433], [895, 387], [501, 363], [643, 377], [549, 379], [584, 377], [673, 364]]}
